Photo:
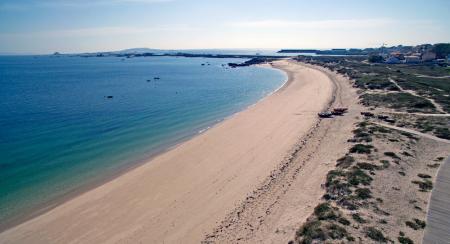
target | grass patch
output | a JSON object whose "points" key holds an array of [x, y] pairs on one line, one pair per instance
{"points": [[425, 185], [405, 240], [399, 101], [316, 230], [345, 161], [436, 165], [357, 176], [375, 234], [325, 211], [416, 224], [363, 193], [442, 132], [361, 149], [385, 163], [358, 218], [344, 221], [392, 155], [424, 176], [367, 166]]}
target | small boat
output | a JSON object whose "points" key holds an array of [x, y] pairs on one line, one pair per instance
{"points": [[109, 97], [156, 78]]}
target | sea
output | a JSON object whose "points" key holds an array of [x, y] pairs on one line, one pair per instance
{"points": [[68, 123]]}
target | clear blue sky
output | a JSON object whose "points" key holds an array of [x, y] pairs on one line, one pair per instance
{"points": [[43, 26]]}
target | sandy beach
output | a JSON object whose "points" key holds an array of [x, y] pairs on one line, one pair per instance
{"points": [[183, 195]]}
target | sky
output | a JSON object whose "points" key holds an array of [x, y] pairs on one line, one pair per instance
{"points": [[70, 26]]}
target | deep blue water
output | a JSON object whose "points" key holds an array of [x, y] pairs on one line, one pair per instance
{"points": [[58, 131]]}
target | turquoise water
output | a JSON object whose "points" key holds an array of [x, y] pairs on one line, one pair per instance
{"points": [[59, 132]]}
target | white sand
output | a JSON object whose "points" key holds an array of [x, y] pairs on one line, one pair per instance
{"points": [[184, 193]]}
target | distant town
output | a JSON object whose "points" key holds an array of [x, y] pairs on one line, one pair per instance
{"points": [[433, 53]]}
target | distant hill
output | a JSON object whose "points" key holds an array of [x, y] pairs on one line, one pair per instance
{"points": [[141, 50]]}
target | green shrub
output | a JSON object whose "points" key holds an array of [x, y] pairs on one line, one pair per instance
{"points": [[325, 211], [425, 185], [375, 234], [361, 148], [405, 240], [336, 232], [424, 176], [367, 166], [363, 193], [442, 133], [358, 218], [345, 161], [385, 163], [416, 224], [344, 221], [392, 155], [357, 176], [311, 231]]}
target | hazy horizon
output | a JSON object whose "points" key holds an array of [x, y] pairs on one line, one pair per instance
{"points": [[41, 27]]}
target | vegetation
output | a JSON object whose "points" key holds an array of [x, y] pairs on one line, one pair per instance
{"points": [[358, 218], [345, 161], [361, 148], [405, 240], [392, 155], [375, 234], [400, 100], [442, 50], [425, 185], [363, 193], [416, 224], [325, 211], [424, 176]]}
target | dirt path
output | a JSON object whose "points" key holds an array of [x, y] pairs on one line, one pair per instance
{"points": [[413, 132], [435, 104], [275, 210], [419, 114]]}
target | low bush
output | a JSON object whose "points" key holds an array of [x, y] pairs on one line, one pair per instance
{"points": [[375, 234], [344, 221], [405, 240], [363, 193], [358, 218], [361, 149], [425, 185], [367, 166], [325, 211], [392, 155], [416, 224], [357, 176], [345, 161], [424, 176]]}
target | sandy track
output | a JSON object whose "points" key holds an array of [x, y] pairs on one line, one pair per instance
{"points": [[184, 193]]}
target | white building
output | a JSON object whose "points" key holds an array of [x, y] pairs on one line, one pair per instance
{"points": [[412, 59]]}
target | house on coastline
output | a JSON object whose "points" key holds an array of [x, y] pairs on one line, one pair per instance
{"points": [[413, 59]]}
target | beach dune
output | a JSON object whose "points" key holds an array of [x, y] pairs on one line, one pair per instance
{"points": [[182, 194]]}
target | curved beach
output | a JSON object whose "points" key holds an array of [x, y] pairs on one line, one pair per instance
{"points": [[183, 194]]}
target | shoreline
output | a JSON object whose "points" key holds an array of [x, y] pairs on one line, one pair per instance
{"points": [[48, 206], [119, 181], [281, 204]]}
